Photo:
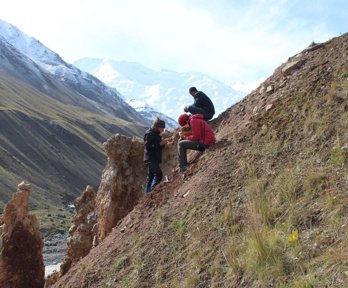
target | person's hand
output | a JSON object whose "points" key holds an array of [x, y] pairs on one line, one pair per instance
{"points": [[164, 142], [186, 109]]}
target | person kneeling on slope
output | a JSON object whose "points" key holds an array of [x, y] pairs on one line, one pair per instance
{"points": [[153, 145], [201, 138]]}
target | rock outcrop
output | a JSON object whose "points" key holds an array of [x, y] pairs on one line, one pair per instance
{"points": [[82, 232], [120, 189], [123, 179], [292, 66], [21, 245], [121, 183]]}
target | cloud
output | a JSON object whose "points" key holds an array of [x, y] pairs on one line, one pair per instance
{"points": [[230, 41]]}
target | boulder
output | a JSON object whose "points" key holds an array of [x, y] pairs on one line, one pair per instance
{"points": [[292, 66]]}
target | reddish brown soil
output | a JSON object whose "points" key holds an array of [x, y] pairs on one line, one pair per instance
{"points": [[218, 178]]}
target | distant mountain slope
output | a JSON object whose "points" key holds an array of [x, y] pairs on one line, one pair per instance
{"points": [[166, 91], [88, 90], [54, 119], [55, 146]]}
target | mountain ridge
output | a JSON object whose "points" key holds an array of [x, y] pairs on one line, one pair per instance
{"points": [[104, 98], [164, 90]]}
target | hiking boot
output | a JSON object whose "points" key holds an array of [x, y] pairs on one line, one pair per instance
{"points": [[183, 168], [147, 188]]}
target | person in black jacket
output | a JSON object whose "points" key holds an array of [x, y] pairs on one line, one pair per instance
{"points": [[202, 104], [153, 145]]}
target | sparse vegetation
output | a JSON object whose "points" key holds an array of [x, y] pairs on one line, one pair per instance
{"points": [[122, 263], [267, 210], [266, 255], [338, 156], [53, 220], [179, 227], [286, 186]]}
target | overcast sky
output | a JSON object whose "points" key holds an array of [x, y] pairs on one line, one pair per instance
{"points": [[230, 40]]}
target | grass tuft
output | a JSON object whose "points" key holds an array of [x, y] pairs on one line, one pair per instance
{"points": [[179, 227], [266, 255], [315, 182], [338, 156], [286, 186]]}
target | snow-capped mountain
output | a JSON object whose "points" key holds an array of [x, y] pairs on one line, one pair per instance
{"points": [[29, 46], [105, 99], [150, 113], [166, 91]]}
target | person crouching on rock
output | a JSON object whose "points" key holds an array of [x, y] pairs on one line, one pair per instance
{"points": [[202, 104], [201, 137], [153, 145]]}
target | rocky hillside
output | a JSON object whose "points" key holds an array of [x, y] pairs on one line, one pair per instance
{"points": [[265, 207]]}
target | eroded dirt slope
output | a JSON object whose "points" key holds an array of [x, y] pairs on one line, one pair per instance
{"points": [[265, 207]]}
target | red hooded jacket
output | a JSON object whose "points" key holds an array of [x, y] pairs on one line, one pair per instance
{"points": [[201, 130]]}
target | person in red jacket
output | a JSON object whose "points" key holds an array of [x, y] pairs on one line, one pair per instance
{"points": [[202, 137]]}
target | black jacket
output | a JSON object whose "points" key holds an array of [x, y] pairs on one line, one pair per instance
{"points": [[204, 102], [152, 147]]}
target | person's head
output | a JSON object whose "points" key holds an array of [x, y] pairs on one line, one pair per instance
{"points": [[183, 119], [193, 91], [158, 125]]}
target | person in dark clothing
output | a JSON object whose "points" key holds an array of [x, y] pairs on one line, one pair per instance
{"points": [[202, 104], [153, 145], [200, 138]]}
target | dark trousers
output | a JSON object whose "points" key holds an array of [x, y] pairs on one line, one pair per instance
{"points": [[198, 110], [154, 175], [183, 145]]}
